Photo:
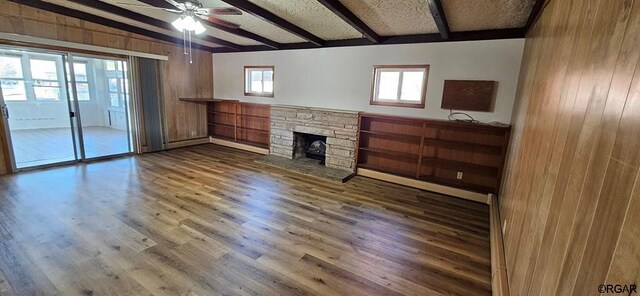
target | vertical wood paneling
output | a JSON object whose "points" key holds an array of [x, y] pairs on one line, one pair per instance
{"points": [[574, 160], [186, 120], [180, 78]]}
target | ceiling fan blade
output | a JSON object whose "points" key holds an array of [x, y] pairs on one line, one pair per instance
{"points": [[221, 11], [160, 3], [137, 5], [220, 22], [149, 7]]}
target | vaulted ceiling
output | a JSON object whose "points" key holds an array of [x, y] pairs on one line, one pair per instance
{"points": [[294, 24]]}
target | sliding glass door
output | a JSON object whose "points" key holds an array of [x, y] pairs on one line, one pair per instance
{"points": [[63, 108], [37, 107], [102, 88]]}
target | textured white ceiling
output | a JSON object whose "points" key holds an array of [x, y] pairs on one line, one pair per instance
{"points": [[470, 15], [101, 13], [170, 17], [385, 17], [394, 17], [311, 16], [256, 25]]}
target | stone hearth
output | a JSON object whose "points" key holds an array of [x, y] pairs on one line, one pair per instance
{"points": [[340, 128]]}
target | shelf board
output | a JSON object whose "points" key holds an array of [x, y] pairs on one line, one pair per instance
{"points": [[221, 124], [253, 130], [460, 166], [411, 138], [459, 184], [206, 100], [414, 121], [388, 152], [253, 143], [411, 175], [253, 116], [224, 138], [221, 112], [464, 145], [250, 143]]}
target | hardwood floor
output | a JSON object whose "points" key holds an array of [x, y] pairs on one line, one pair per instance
{"points": [[207, 220]]}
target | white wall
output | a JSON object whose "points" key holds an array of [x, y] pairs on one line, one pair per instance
{"points": [[340, 78]]}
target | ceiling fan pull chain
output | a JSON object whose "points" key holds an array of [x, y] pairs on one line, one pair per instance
{"points": [[184, 41], [190, 49]]}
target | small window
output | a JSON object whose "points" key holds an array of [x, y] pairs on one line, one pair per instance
{"points": [[45, 79], [258, 81], [12, 79], [82, 81], [402, 86]]}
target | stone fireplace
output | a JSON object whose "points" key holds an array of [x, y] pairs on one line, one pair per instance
{"points": [[294, 129]]}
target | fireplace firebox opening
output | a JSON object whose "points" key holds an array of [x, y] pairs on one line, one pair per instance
{"points": [[309, 146]]}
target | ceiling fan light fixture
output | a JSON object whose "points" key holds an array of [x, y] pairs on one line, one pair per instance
{"points": [[188, 23], [179, 24], [199, 28]]}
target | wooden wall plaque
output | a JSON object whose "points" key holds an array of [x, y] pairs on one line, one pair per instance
{"points": [[469, 95]]}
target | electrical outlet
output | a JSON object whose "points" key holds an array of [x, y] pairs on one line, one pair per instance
{"points": [[459, 176]]}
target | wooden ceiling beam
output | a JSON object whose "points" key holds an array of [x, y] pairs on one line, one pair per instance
{"points": [[346, 15], [535, 12], [238, 32], [402, 39], [435, 6], [119, 11], [108, 22], [268, 16]]}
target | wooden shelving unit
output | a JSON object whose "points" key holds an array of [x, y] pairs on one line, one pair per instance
{"points": [[435, 151], [244, 123]]}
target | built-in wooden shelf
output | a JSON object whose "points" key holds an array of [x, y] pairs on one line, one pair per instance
{"points": [[379, 168], [245, 123], [253, 130], [205, 100], [411, 138], [457, 184], [223, 125], [463, 145], [455, 154], [456, 165], [391, 153], [253, 116], [223, 113]]}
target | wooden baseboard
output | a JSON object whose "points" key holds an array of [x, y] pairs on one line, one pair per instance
{"points": [[239, 146], [499, 282], [465, 194], [190, 142]]}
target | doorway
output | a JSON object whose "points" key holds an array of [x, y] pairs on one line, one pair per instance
{"points": [[60, 108]]}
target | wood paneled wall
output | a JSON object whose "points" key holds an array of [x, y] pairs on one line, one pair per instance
{"points": [[180, 79], [571, 195]]}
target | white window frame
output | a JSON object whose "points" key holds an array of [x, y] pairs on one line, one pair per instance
{"points": [[89, 84], [23, 79], [401, 69], [247, 81]]}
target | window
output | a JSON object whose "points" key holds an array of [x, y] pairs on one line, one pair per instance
{"points": [[12, 78], [111, 65], [45, 79], [403, 86], [258, 81], [82, 81], [117, 84]]}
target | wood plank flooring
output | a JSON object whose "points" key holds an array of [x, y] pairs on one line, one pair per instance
{"points": [[207, 220]]}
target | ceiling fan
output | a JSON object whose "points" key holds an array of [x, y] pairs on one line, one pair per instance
{"points": [[190, 12]]}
